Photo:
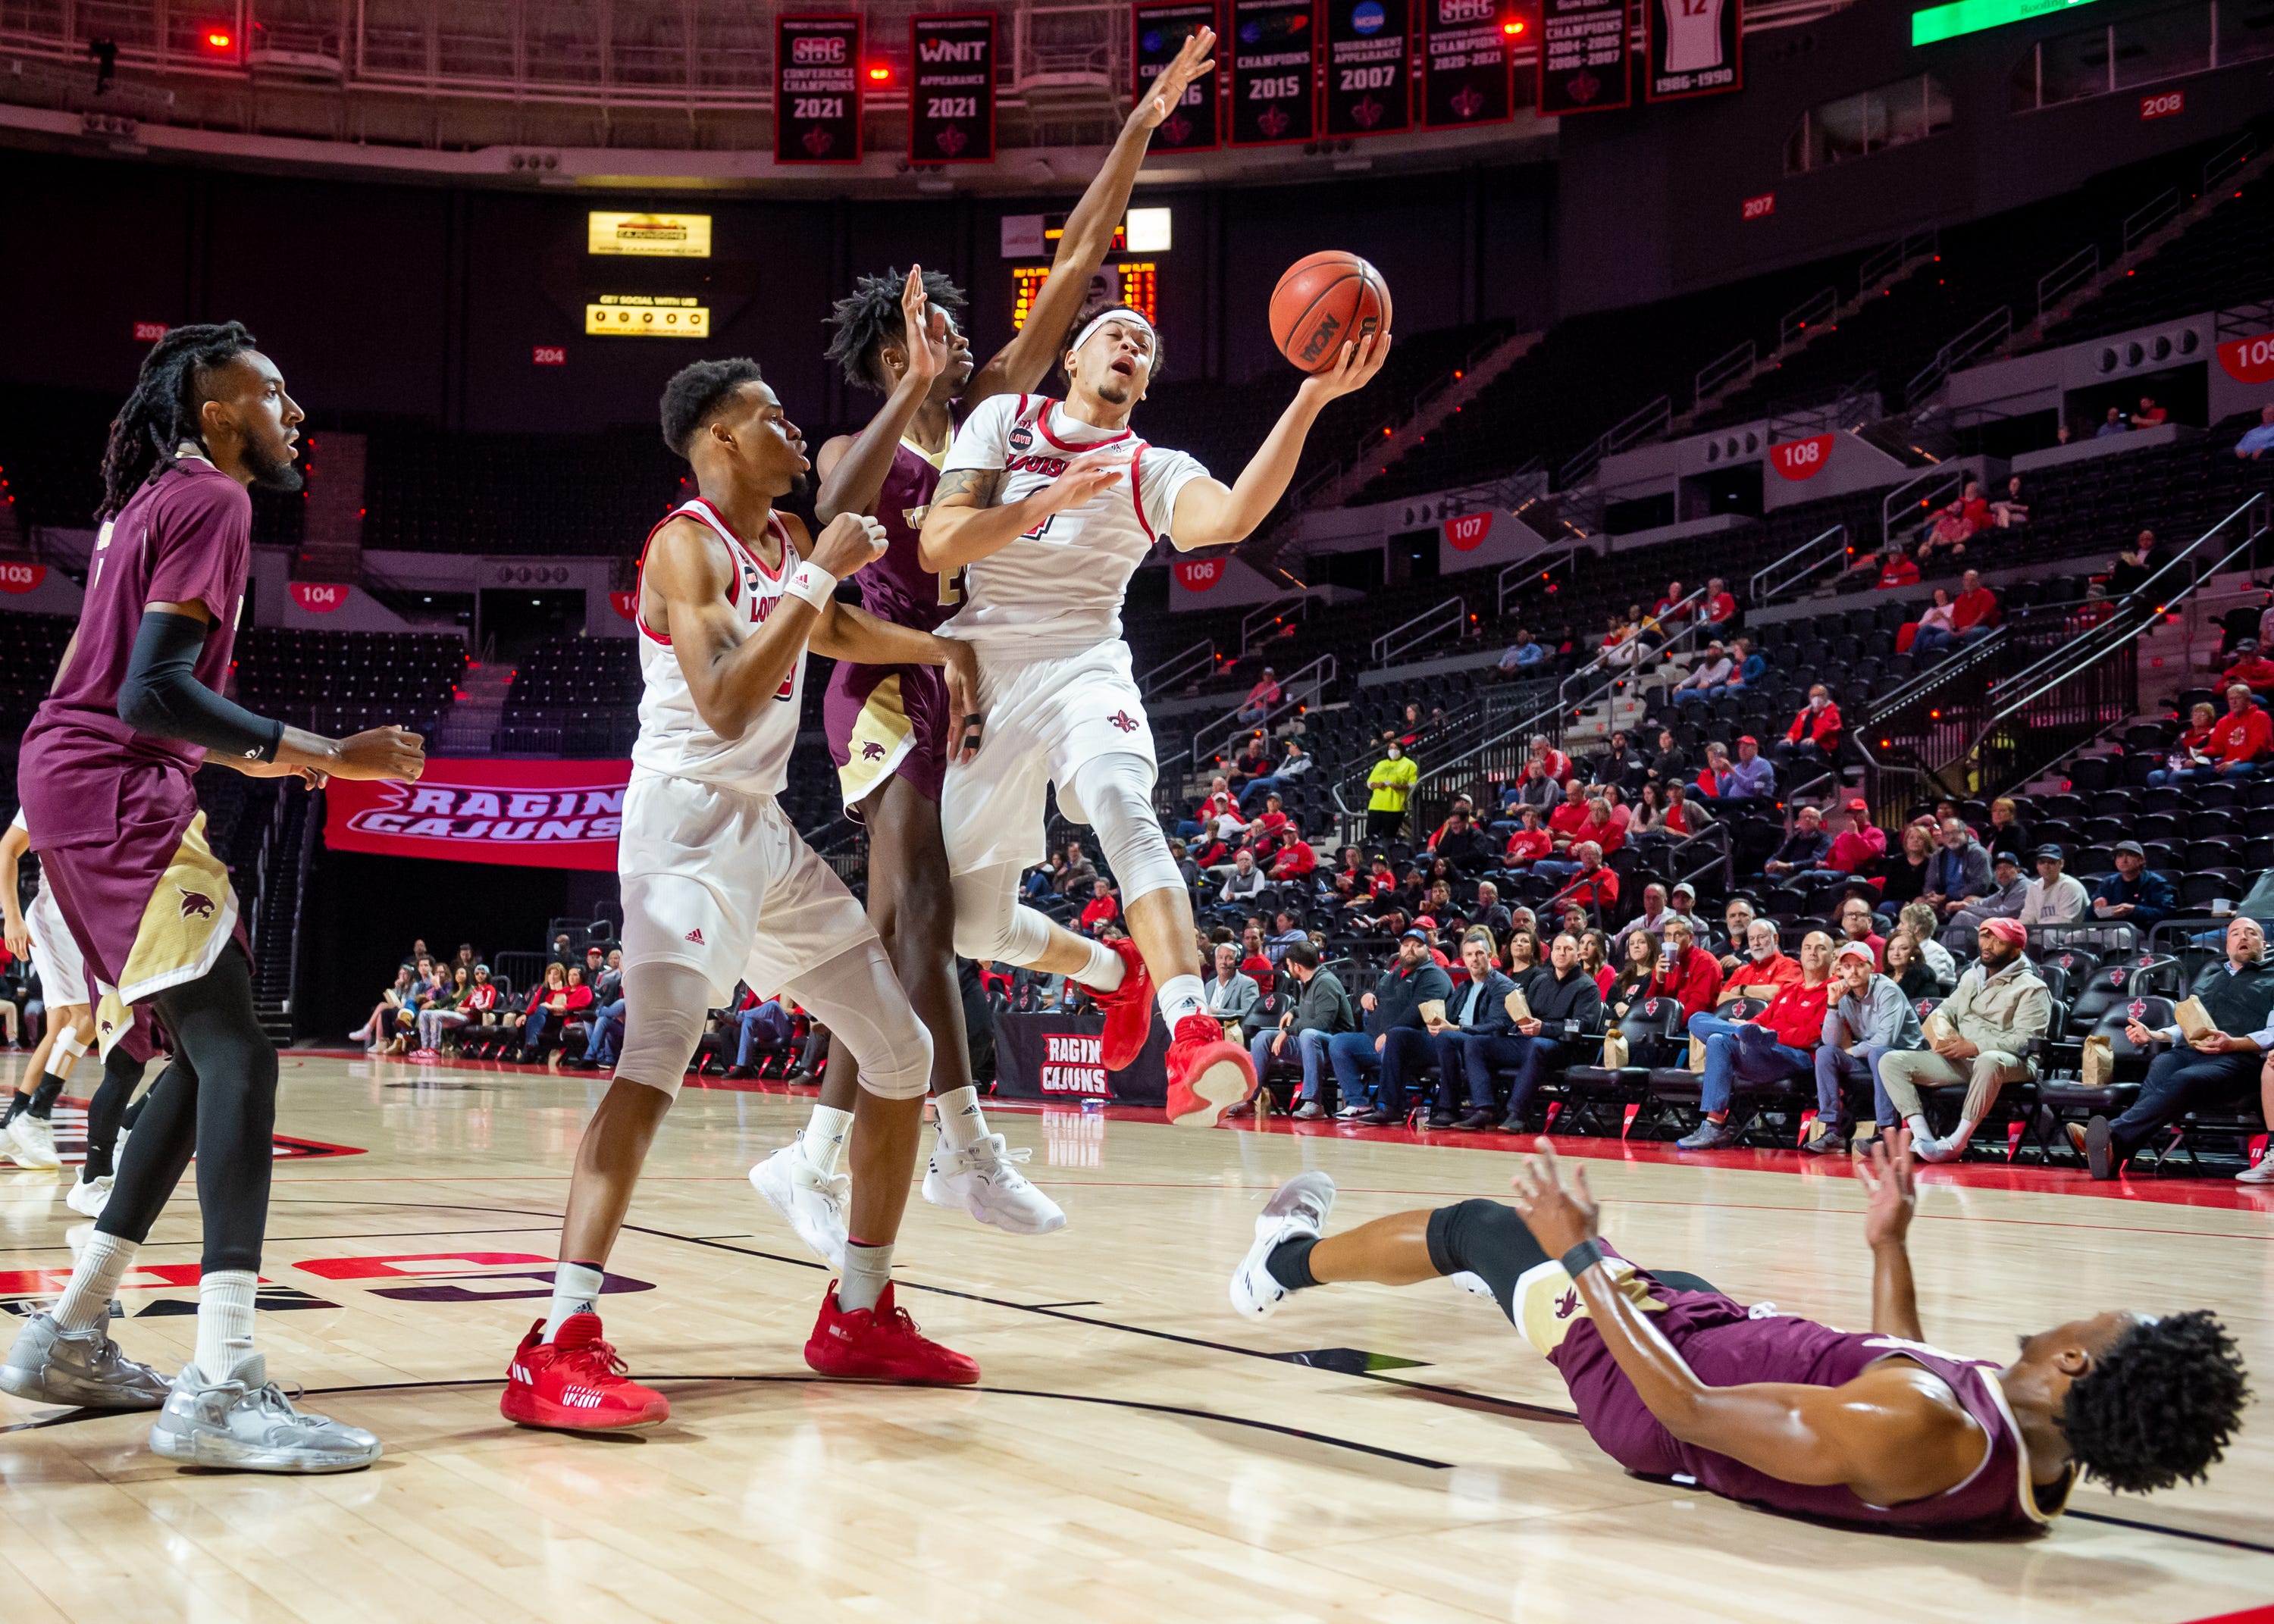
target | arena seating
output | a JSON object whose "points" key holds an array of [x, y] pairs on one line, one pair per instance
{"points": [[2221, 261], [342, 682]]}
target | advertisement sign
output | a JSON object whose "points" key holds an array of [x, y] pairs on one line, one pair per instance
{"points": [[1160, 33], [1694, 48], [1466, 64], [1060, 1057], [1272, 72], [669, 236], [817, 89], [1369, 67], [1583, 55], [951, 99], [639, 315], [532, 814]]}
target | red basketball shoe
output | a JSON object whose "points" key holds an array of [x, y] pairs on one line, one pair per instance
{"points": [[882, 1344], [576, 1383], [1128, 1008], [1207, 1072]]}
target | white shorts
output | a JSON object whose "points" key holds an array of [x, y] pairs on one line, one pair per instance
{"points": [[1044, 720], [719, 880], [55, 952]]}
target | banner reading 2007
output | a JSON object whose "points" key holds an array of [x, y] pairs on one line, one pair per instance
{"points": [[533, 813]]}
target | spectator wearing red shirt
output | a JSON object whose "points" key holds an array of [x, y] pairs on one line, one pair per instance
{"points": [[2243, 736], [2194, 756], [1531, 841], [2149, 415], [1296, 860], [1666, 606], [1958, 523], [1682, 816], [1592, 886], [1685, 970], [1719, 608], [1762, 964], [1861, 843], [551, 1008], [1780, 1044], [1975, 613], [1815, 732], [1710, 776], [1260, 698], [1552, 761], [2253, 669], [1855, 925], [1102, 908], [1896, 570], [1566, 821]]}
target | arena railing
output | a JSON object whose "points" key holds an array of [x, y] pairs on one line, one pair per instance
{"points": [[1991, 333], [1266, 619], [1813, 554], [1918, 496], [1301, 690], [1410, 634], [2065, 279], [1177, 667]]}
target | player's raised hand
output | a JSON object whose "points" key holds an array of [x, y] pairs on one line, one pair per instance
{"points": [[1891, 1193], [924, 330], [1559, 1213], [848, 544], [1083, 477], [390, 753], [1362, 359], [1170, 85]]}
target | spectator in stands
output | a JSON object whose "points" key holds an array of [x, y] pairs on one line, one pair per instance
{"points": [[1294, 763], [1261, 700], [1285, 934], [1407, 727], [1231, 996], [2251, 668], [1918, 921], [1717, 608], [1102, 909], [1935, 630], [1295, 861], [2055, 896], [2195, 754], [1856, 930], [1858, 846], [1473, 1035], [607, 1014], [1870, 1018], [1524, 657], [1669, 762], [1395, 1038], [379, 1030], [1737, 929], [1908, 970], [2003, 900], [2011, 511], [1246, 886], [1076, 875], [1669, 606], [758, 1022], [1490, 912], [1906, 868], [1959, 872], [1595, 954], [1617, 760], [1708, 782], [2150, 415], [1651, 919], [1218, 799], [439, 1013], [1564, 998], [1974, 612], [1805, 846], [1462, 844], [1530, 843], [2255, 442], [1711, 674], [1895, 569], [1953, 526], [2238, 995], [2111, 424], [1593, 887], [1813, 738], [1778, 1044], [2007, 831], [1606, 822], [563, 954], [2132, 895], [1253, 762], [1686, 971], [1981, 1037], [2242, 738], [1647, 815], [1763, 967], [1684, 900], [1319, 1010], [563, 999], [1390, 784], [1750, 778], [1552, 762], [1623, 646], [2134, 566], [1567, 823], [1750, 666]]}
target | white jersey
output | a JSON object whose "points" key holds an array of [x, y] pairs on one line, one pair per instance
{"points": [[1693, 35], [1056, 589], [55, 950], [674, 739]]}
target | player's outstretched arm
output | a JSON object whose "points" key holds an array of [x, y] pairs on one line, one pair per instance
{"points": [[1885, 1176], [733, 670], [1027, 359], [963, 525], [1209, 514], [1897, 1433], [852, 467]]}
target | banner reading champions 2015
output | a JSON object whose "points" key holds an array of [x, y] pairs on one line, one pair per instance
{"points": [[533, 813]]}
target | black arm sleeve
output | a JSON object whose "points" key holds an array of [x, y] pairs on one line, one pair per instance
{"points": [[162, 695]]}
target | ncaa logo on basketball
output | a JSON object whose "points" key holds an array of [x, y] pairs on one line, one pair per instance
{"points": [[1073, 1063]]}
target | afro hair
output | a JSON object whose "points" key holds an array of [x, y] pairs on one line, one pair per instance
{"points": [[2159, 1407], [697, 391], [869, 317]]}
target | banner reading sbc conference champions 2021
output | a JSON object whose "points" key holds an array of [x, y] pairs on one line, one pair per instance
{"points": [[535, 814]]}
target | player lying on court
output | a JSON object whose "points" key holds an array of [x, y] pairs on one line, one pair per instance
{"points": [[718, 887], [1048, 508], [889, 728], [1675, 1380]]}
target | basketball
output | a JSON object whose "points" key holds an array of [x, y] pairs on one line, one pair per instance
{"points": [[1325, 299]]}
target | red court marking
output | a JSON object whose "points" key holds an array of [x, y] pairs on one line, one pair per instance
{"points": [[2249, 1615]]}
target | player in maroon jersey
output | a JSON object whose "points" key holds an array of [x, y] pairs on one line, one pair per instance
{"points": [[1675, 1380], [889, 727]]}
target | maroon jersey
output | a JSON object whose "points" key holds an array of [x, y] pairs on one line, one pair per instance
{"points": [[1729, 1345], [897, 587]]}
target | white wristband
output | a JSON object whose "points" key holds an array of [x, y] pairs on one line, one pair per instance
{"points": [[812, 584]]}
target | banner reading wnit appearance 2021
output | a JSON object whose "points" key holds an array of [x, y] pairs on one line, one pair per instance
{"points": [[537, 814]]}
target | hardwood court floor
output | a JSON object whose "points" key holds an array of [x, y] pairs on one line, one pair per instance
{"points": [[1135, 1452]]}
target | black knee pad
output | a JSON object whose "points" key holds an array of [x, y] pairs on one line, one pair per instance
{"points": [[1487, 1239]]}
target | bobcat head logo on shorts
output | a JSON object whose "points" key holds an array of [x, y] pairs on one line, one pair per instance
{"points": [[1122, 720], [870, 750], [195, 903], [1568, 1303]]}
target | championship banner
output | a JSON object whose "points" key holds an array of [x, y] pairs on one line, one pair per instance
{"points": [[1369, 70], [1272, 72], [1054, 1057], [1694, 48], [1159, 32], [817, 89], [1583, 55], [951, 99], [530, 814], [1467, 68]]}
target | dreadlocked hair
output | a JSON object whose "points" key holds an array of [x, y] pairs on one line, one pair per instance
{"points": [[865, 321], [697, 391], [1073, 331], [162, 411], [2159, 1406]]}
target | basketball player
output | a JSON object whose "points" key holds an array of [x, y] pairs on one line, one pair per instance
{"points": [[1047, 508], [889, 727], [30, 1138], [105, 776], [1675, 1380], [717, 887]]}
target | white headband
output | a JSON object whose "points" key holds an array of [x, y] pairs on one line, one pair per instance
{"points": [[1120, 313]]}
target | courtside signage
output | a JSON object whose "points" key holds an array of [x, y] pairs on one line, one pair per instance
{"points": [[533, 814], [669, 236], [817, 89], [1947, 22], [952, 98], [1073, 1063], [1158, 33]]}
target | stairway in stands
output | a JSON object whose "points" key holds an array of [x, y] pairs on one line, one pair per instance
{"points": [[470, 723]]}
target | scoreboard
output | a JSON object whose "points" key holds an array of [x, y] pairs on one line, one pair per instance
{"points": [[1133, 283]]}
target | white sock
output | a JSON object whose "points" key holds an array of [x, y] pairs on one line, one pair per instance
{"points": [[961, 1123], [1961, 1135], [868, 1271], [576, 1290], [225, 1322], [824, 1139], [1104, 970], [1921, 1132], [1181, 995], [101, 1264]]}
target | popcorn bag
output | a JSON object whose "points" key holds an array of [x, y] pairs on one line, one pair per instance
{"points": [[2099, 1061], [1615, 1049]]}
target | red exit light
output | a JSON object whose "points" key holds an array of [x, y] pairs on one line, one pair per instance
{"points": [[879, 75], [220, 40]]}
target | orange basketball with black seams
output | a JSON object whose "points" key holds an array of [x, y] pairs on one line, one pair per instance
{"points": [[1324, 301]]}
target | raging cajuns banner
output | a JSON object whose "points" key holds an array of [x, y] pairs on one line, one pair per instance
{"points": [[535, 814]]}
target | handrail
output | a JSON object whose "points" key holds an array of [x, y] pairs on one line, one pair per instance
{"points": [[1980, 651], [1886, 263], [1938, 477], [1272, 613], [2067, 277], [1627, 432], [2229, 159], [2149, 218], [1992, 331], [1602, 662], [1311, 679], [1183, 662], [1810, 312], [1851, 406], [1757, 595], [1386, 647], [1512, 575], [1724, 370]]}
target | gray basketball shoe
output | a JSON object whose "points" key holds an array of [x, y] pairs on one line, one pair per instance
{"points": [[50, 1366], [248, 1424], [1298, 1207]]}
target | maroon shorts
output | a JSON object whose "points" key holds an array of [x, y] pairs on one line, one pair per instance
{"points": [[886, 720]]}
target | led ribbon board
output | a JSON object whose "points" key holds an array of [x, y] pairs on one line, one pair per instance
{"points": [[1947, 22]]}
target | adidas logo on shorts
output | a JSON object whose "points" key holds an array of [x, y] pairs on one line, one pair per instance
{"points": [[695, 935]]}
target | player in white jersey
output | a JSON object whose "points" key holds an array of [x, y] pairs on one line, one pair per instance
{"points": [[26, 1134], [717, 887], [1048, 508]]}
